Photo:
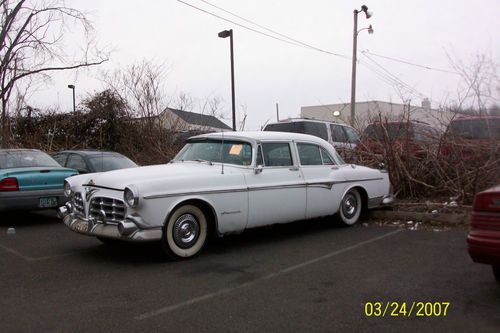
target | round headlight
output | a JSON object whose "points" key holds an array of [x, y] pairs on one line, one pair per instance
{"points": [[131, 196], [67, 189]]}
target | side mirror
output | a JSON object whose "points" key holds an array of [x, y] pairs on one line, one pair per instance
{"points": [[258, 169]]}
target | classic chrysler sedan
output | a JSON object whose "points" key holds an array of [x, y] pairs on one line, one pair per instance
{"points": [[223, 183]]}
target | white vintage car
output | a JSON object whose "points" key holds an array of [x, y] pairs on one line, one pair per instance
{"points": [[223, 183]]}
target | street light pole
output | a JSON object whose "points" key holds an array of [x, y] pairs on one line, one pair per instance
{"points": [[72, 87], [354, 56], [224, 34]]}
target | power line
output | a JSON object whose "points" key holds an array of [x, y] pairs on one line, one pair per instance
{"points": [[394, 77], [289, 41], [411, 63], [274, 32]]}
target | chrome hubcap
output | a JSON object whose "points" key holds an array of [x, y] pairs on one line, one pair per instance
{"points": [[186, 231], [350, 206]]}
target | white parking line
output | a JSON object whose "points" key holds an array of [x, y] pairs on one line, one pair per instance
{"points": [[28, 258], [267, 277]]}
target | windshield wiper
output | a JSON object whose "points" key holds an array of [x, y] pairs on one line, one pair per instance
{"points": [[200, 160]]}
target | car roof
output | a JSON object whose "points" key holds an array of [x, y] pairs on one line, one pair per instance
{"points": [[18, 149], [295, 120], [90, 152], [263, 135], [467, 118]]}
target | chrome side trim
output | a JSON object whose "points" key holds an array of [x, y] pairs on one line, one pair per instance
{"points": [[231, 212], [326, 185]]}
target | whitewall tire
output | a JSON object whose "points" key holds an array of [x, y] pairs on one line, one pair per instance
{"points": [[185, 233]]}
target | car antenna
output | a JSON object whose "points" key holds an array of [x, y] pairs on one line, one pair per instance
{"points": [[222, 153]]}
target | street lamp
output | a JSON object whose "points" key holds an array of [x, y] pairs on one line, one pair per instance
{"points": [[354, 52], [225, 34], [72, 86]]}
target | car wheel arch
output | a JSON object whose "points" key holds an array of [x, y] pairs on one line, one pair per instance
{"points": [[364, 197], [207, 209]]}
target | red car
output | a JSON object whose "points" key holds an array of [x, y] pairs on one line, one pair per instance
{"points": [[411, 137], [484, 236], [472, 139]]}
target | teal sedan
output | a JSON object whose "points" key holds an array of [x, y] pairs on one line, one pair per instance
{"points": [[31, 180]]}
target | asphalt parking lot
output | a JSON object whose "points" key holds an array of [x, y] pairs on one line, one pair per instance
{"points": [[301, 277]]}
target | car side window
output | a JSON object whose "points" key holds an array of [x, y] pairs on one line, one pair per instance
{"points": [[316, 129], [78, 163], [338, 134], [352, 136], [60, 158], [327, 160], [277, 154], [309, 154], [260, 160]]}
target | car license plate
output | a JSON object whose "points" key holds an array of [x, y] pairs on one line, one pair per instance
{"points": [[81, 226], [47, 202]]}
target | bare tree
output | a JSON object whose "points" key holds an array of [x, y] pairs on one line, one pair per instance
{"points": [[32, 44], [480, 84]]}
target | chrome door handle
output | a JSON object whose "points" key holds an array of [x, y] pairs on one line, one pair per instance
{"points": [[294, 169]]}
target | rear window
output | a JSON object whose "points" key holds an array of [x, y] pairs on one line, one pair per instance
{"points": [[111, 162], [475, 128], [25, 159], [393, 131], [304, 127]]}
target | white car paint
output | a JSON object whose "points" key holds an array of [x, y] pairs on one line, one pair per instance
{"points": [[240, 196]]}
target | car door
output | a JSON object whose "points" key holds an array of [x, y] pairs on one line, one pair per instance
{"points": [[277, 194], [318, 169]]}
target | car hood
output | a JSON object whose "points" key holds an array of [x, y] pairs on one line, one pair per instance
{"points": [[119, 179]]}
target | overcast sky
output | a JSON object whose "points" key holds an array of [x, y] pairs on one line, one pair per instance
{"points": [[268, 71]]}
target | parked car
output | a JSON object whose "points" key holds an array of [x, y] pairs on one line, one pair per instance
{"points": [[484, 235], [89, 161], [343, 137], [31, 180], [223, 183], [411, 137], [473, 138]]}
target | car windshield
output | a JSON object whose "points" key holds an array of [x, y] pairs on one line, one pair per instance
{"points": [[101, 163], [25, 159], [210, 150], [476, 128]]}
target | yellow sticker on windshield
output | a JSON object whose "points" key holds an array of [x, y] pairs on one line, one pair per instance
{"points": [[235, 149]]}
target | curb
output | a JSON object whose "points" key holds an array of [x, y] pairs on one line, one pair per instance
{"points": [[451, 218]]}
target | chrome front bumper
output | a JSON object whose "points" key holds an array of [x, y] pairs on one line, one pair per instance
{"points": [[128, 230]]}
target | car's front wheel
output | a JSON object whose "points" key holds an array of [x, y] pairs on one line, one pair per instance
{"points": [[185, 233], [350, 208], [496, 272]]}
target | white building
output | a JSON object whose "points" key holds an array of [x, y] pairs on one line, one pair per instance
{"points": [[370, 111]]}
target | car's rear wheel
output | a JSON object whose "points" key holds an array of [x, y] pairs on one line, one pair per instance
{"points": [[496, 272], [350, 208], [185, 233]]}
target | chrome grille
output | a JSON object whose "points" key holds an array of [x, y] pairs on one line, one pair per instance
{"points": [[113, 208], [78, 204]]}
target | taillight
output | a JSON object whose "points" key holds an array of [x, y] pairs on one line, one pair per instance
{"points": [[9, 185], [487, 201]]}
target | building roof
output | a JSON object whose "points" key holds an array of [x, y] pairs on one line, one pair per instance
{"points": [[199, 119]]}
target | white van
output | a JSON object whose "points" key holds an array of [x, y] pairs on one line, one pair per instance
{"points": [[341, 136]]}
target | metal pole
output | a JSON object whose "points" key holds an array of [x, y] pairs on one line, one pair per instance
{"points": [[353, 78], [232, 80], [74, 103]]}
